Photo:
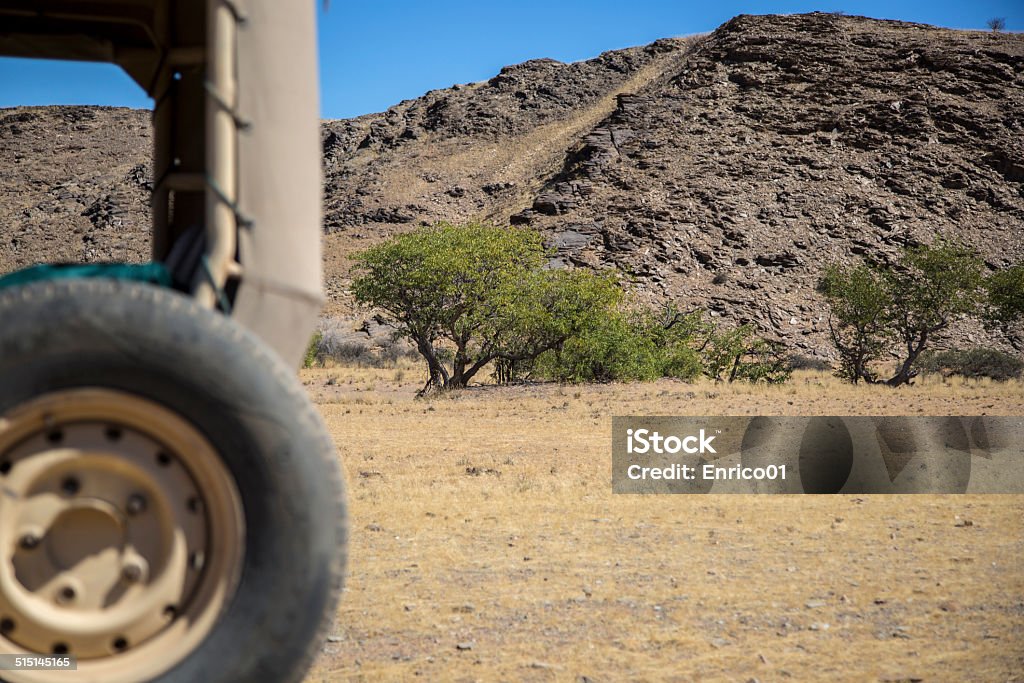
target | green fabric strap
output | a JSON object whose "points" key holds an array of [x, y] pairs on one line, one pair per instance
{"points": [[153, 273]]}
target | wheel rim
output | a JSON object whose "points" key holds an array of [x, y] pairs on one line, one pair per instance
{"points": [[122, 533]]}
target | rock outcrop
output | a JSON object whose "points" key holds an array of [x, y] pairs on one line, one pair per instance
{"points": [[723, 170]]}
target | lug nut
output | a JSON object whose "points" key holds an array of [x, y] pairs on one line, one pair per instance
{"points": [[131, 573], [66, 595], [71, 486], [29, 541], [136, 504], [196, 560]]}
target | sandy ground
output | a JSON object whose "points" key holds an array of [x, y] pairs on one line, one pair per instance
{"points": [[487, 545]]}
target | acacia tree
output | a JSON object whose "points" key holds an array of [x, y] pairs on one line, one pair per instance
{"points": [[917, 299], [936, 285], [480, 293], [1005, 290], [857, 322]]}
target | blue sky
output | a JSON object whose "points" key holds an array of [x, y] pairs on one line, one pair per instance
{"points": [[375, 53]]}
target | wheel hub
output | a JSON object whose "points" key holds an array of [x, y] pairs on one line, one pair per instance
{"points": [[122, 530]]}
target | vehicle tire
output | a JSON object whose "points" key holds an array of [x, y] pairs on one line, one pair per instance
{"points": [[173, 506]]}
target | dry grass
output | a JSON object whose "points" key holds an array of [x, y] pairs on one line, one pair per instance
{"points": [[485, 521]]}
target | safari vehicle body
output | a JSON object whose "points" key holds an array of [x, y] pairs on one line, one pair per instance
{"points": [[173, 508], [236, 128]]}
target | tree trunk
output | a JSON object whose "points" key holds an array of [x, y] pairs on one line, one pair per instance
{"points": [[476, 367], [438, 374], [458, 378], [735, 368], [914, 348]]}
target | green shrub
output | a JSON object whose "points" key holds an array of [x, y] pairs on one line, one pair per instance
{"points": [[974, 363], [312, 355], [612, 348], [674, 336], [1005, 289], [646, 344], [738, 354]]}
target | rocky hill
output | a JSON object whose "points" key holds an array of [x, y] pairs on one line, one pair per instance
{"points": [[74, 185], [722, 171]]}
